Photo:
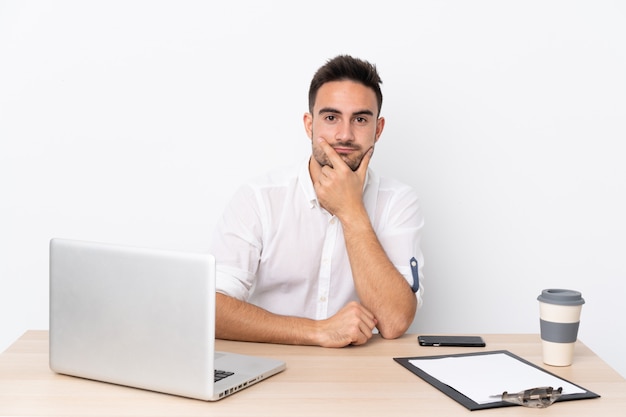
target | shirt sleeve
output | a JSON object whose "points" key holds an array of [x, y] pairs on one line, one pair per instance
{"points": [[236, 244], [400, 234]]}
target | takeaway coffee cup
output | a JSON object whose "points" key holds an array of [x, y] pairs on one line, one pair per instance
{"points": [[559, 317]]}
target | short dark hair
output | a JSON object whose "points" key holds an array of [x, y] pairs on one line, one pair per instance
{"points": [[345, 67]]}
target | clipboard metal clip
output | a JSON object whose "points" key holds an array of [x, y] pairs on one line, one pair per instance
{"points": [[540, 397]]}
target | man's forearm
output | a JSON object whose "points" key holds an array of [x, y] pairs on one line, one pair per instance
{"points": [[380, 286], [238, 320]]}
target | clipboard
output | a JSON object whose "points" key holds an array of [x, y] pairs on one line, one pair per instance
{"points": [[468, 402]]}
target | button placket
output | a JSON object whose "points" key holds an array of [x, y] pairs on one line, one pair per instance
{"points": [[325, 268]]}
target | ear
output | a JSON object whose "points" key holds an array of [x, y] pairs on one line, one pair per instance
{"points": [[308, 124], [380, 125]]}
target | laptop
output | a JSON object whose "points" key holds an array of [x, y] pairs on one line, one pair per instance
{"points": [[143, 318]]}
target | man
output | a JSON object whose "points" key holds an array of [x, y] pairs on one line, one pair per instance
{"points": [[320, 254]]}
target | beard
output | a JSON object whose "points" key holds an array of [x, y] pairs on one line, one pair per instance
{"points": [[353, 160]]}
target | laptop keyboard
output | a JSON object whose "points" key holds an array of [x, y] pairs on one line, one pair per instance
{"points": [[219, 375]]}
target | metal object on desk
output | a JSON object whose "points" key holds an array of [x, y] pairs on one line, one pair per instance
{"points": [[540, 397]]}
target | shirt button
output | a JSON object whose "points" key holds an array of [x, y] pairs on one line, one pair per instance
{"points": [[322, 299], [333, 220]]}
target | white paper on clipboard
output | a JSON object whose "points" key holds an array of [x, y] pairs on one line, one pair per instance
{"points": [[481, 377]]}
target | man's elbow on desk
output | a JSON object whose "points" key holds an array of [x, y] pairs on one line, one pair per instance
{"points": [[392, 332], [395, 317], [392, 329]]}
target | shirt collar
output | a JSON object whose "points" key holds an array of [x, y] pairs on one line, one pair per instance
{"points": [[304, 177]]}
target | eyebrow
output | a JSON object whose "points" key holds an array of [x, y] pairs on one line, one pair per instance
{"points": [[357, 113]]}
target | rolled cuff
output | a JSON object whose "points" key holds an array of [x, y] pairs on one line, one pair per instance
{"points": [[233, 282]]}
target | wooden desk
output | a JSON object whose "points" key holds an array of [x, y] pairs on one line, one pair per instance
{"points": [[353, 381]]}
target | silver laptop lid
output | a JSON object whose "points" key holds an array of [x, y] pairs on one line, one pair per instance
{"points": [[116, 315]]}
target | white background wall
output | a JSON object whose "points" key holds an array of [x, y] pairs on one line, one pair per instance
{"points": [[133, 122]]}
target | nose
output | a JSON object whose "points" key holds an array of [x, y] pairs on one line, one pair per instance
{"points": [[344, 131]]}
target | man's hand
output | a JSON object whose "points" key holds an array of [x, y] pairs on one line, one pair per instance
{"points": [[352, 325], [339, 189]]}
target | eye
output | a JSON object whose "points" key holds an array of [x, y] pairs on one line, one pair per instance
{"points": [[360, 120], [330, 118]]}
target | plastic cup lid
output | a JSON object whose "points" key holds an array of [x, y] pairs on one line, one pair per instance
{"points": [[561, 297]]}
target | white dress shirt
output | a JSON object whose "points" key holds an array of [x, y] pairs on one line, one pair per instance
{"points": [[277, 248]]}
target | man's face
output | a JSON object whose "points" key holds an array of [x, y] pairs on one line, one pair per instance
{"points": [[345, 115]]}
